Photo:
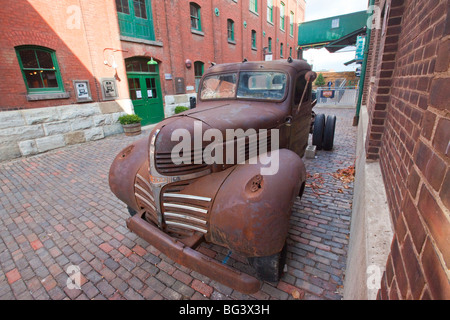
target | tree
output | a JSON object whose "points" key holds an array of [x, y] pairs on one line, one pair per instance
{"points": [[320, 81]]}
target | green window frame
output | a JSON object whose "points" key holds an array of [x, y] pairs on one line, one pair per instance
{"points": [[199, 69], [281, 50], [135, 19], [270, 44], [40, 69], [253, 6], [291, 24], [230, 29], [290, 52], [282, 18], [253, 39], [196, 18], [270, 11]]}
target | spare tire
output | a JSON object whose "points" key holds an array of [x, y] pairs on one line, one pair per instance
{"points": [[318, 131], [328, 137]]}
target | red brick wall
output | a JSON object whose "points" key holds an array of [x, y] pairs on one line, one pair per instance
{"points": [[80, 51], [409, 132], [172, 24], [79, 46]]}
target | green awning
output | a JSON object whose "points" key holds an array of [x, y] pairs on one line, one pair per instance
{"points": [[335, 32]]}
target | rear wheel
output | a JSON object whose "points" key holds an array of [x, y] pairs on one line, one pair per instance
{"points": [[270, 268], [328, 137], [318, 130]]}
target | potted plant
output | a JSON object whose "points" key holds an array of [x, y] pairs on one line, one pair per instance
{"points": [[131, 124]]}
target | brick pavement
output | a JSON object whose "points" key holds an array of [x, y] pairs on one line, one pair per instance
{"points": [[56, 210]]}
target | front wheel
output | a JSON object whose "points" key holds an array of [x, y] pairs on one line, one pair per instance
{"points": [[269, 268], [131, 211]]}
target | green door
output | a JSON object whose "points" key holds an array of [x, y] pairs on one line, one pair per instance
{"points": [[145, 92]]}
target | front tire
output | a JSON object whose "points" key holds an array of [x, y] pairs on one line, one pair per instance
{"points": [[131, 211], [269, 268]]}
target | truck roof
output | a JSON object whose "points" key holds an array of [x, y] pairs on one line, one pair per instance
{"points": [[286, 65]]}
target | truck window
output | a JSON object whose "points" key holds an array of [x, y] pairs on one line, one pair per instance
{"points": [[299, 87], [219, 86], [262, 85]]}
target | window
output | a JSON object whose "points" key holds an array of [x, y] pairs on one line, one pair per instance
{"points": [[334, 23], [198, 73], [139, 64], [290, 52], [299, 88], [291, 24], [135, 19], [39, 69], [281, 50], [254, 5], [253, 39], [270, 45], [122, 6], [230, 29], [196, 23], [270, 10], [219, 86], [262, 85], [282, 16]]}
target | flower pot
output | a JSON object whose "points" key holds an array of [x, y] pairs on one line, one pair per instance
{"points": [[132, 129]]}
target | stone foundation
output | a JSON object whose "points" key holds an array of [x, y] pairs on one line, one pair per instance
{"points": [[171, 102], [32, 131]]}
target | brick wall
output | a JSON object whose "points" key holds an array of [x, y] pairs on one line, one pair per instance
{"points": [[409, 132], [350, 76], [76, 32], [179, 43]]}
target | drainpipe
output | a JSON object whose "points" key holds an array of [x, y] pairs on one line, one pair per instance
{"points": [[363, 69]]}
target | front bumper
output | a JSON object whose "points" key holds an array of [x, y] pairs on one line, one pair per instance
{"points": [[192, 259]]}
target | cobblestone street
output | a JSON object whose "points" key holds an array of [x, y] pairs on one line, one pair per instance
{"points": [[56, 210]]}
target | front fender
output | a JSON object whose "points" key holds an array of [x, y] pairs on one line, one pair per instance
{"points": [[124, 168], [252, 220]]}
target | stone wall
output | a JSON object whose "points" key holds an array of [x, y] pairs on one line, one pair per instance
{"points": [[32, 131], [171, 102]]}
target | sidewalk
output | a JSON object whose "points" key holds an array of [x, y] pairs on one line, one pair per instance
{"points": [[56, 211]]}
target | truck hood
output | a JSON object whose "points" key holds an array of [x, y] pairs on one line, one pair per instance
{"points": [[221, 116], [234, 115]]}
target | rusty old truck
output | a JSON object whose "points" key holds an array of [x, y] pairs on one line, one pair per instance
{"points": [[182, 195]]}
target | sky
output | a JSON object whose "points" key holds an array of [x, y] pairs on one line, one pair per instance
{"points": [[321, 59]]}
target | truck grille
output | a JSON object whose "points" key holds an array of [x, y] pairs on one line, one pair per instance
{"points": [[165, 166], [145, 199], [184, 214]]}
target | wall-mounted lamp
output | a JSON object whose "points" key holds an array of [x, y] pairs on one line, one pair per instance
{"points": [[152, 61], [188, 63]]}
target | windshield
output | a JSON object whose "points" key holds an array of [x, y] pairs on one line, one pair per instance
{"points": [[219, 86], [262, 85]]}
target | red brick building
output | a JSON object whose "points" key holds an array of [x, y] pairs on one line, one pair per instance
{"points": [[408, 134], [83, 63]]}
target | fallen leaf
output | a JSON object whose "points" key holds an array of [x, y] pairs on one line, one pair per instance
{"points": [[298, 295]]}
